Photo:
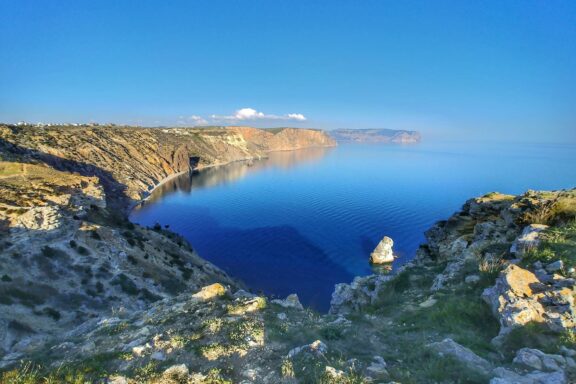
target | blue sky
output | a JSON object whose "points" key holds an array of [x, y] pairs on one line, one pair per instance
{"points": [[467, 69]]}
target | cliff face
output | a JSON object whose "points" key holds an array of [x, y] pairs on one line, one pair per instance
{"points": [[489, 297], [131, 161], [376, 136], [482, 302], [67, 252], [284, 139]]}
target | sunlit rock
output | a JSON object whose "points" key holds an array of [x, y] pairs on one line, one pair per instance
{"points": [[383, 252]]}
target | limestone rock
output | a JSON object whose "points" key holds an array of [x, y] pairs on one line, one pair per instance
{"points": [[528, 239], [383, 252], [117, 380], [362, 291], [316, 348], [519, 297], [511, 298], [334, 373], [178, 373], [209, 292], [506, 376], [40, 219], [291, 301], [449, 347], [377, 369], [472, 279], [536, 359], [555, 266]]}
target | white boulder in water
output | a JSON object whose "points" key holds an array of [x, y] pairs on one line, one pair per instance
{"points": [[383, 252]]}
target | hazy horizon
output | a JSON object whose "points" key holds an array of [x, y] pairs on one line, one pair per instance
{"points": [[460, 70]]}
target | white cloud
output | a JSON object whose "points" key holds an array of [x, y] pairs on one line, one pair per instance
{"points": [[197, 120], [296, 116], [247, 114]]}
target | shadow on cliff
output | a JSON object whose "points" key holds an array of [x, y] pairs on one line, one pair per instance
{"points": [[116, 196]]}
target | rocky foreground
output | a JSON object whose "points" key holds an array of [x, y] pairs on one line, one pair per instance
{"points": [[88, 297]]}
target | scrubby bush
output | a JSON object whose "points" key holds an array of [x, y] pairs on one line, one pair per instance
{"points": [[83, 250]]}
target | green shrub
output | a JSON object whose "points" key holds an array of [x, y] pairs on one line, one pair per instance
{"points": [[126, 284]]}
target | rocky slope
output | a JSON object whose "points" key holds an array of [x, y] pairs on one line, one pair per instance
{"points": [[86, 296], [375, 136], [484, 301], [130, 161], [68, 253]]}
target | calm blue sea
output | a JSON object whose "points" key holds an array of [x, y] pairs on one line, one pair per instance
{"points": [[305, 220]]}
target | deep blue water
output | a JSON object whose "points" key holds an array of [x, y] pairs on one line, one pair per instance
{"points": [[302, 221]]}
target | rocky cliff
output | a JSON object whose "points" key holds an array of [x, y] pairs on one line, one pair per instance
{"points": [[86, 296], [130, 161], [375, 136], [67, 252]]}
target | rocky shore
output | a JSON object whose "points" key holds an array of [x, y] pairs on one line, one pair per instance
{"points": [[86, 296]]}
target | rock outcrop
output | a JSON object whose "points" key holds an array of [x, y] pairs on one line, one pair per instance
{"points": [[383, 253], [130, 161], [449, 347], [529, 239], [519, 298], [67, 252]]}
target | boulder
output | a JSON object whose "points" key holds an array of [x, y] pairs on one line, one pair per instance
{"points": [[472, 279], [528, 239], [536, 359], [472, 361], [178, 373], [383, 253], [362, 291], [511, 299], [519, 297], [210, 292], [377, 369], [316, 348], [291, 301], [555, 266], [334, 374], [117, 380], [506, 376]]}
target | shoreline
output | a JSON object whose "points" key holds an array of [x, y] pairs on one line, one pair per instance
{"points": [[133, 204]]}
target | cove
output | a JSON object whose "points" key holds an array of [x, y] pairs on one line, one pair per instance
{"points": [[302, 221]]}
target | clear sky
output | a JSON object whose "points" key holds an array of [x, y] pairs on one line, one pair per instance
{"points": [[462, 68]]}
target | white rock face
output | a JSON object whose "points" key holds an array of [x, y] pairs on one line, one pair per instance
{"points": [[40, 219], [383, 252], [528, 239]]}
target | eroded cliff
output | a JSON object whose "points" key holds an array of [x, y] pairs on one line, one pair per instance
{"points": [[88, 296]]}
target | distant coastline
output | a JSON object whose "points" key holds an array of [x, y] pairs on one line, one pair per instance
{"points": [[392, 136]]}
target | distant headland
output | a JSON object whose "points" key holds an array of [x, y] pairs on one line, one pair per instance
{"points": [[376, 136]]}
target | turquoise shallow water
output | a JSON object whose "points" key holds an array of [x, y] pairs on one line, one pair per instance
{"points": [[304, 220]]}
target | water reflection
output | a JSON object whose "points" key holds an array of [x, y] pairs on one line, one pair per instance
{"points": [[225, 174]]}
